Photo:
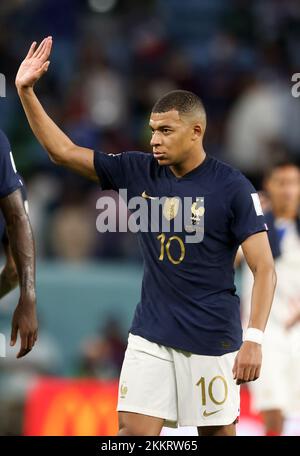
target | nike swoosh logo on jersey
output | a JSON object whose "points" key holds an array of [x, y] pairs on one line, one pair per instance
{"points": [[206, 414], [144, 195]]}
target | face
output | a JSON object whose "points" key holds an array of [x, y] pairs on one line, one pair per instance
{"points": [[173, 137], [283, 187]]}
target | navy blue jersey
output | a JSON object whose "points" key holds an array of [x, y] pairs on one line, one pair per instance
{"points": [[188, 298], [9, 178], [275, 235]]}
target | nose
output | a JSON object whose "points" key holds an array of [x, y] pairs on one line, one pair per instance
{"points": [[156, 139]]}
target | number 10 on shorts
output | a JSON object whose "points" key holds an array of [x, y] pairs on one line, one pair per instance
{"points": [[2, 346], [210, 389]]}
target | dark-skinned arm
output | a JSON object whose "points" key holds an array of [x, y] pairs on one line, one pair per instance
{"points": [[22, 247], [9, 276]]}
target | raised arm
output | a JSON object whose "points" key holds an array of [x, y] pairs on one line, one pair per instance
{"points": [[22, 247], [60, 148], [258, 255]]}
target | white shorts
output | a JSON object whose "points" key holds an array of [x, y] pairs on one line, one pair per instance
{"points": [[183, 388], [278, 386]]}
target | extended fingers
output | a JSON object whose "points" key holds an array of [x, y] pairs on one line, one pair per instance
{"points": [[42, 69], [14, 334], [31, 50], [25, 346], [23, 352], [36, 52], [44, 49], [27, 343]]}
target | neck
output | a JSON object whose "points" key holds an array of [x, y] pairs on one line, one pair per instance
{"points": [[285, 213], [186, 166]]}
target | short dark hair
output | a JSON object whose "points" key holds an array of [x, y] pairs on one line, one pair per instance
{"points": [[286, 163], [183, 101]]}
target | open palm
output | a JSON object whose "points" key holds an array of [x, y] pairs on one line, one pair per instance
{"points": [[35, 64]]}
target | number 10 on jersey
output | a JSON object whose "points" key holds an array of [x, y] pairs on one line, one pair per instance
{"points": [[165, 246]]}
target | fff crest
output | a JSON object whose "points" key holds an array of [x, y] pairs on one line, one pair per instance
{"points": [[171, 206], [197, 211]]}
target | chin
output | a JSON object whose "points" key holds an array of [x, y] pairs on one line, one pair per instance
{"points": [[164, 161]]}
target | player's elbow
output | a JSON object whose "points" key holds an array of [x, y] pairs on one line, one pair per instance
{"points": [[61, 155], [274, 277], [56, 158], [266, 270]]}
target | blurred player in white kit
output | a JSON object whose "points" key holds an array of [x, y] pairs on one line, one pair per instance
{"points": [[277, 392]]}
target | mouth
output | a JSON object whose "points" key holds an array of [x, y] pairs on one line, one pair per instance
{"points": [[159, 155]]}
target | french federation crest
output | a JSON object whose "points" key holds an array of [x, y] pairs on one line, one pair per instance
{"points": [[123, 390], [170, 209], [197, 213], [195, 219]]}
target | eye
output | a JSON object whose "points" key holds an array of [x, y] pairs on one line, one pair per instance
{"points": [[166, 130]]}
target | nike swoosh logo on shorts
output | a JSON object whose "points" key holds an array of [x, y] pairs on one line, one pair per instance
{"points": [[206, 414], [144, 195]]}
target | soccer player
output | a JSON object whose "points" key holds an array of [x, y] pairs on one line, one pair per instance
{"points": [[185, 358], [277, 392], [18, 244]]}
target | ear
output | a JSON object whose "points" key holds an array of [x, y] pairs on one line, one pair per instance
{"points": [[197, 130]]}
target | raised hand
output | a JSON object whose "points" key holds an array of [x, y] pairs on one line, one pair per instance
{"points": [[35, 64]]}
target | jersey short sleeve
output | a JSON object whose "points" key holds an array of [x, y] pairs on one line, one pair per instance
{"points": [[111, 170], [122, 170], [9, 179], [247, 214]]}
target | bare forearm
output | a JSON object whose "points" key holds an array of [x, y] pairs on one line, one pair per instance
{"points": [[22, 247], [51, 137], [8, 281], [60, 148], [262, 296]]}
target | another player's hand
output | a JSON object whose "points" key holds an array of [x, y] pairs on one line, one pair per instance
{"points": [[247, 363], [35, 64], [25, 321]]}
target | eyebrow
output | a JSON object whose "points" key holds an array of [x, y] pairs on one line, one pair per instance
{"points": [[161, 127]]}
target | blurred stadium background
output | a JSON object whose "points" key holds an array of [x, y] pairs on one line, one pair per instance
{"points": [[111, 60]]}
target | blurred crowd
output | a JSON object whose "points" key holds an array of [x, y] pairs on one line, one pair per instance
{"points": [[111, 61], [100, 357]]}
